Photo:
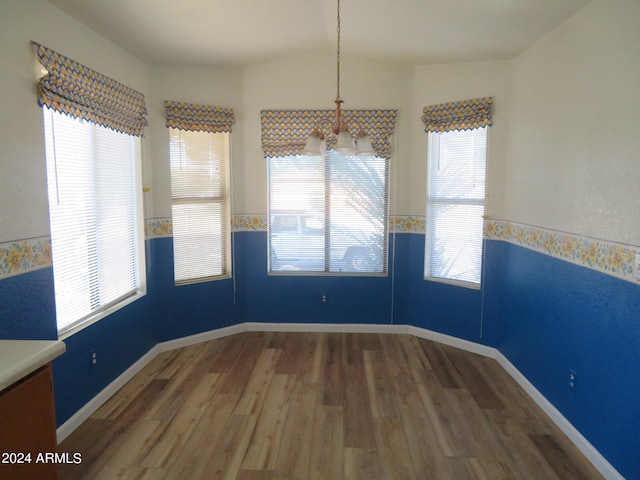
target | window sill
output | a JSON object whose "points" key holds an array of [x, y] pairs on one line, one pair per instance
{"points": [[193, 281], [100, 314], [297, 273], [456, 283]]}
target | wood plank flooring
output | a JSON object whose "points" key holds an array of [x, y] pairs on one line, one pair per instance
{"points": [[322, 406]]}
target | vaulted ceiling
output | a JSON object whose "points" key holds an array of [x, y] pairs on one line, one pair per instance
{"points": [[237, 32]]}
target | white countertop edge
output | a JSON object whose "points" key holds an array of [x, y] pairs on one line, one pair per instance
{"points": [[19, 358]]}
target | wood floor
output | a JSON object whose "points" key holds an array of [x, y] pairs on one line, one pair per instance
{"points": [[322, 405]]}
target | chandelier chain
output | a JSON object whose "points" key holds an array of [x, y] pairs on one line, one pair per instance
{"points": [[342, 128], [338, 55]]}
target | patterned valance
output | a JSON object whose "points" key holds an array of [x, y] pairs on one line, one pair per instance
{"points": [[189, 116], [285, 132], [80, 92], [466, 115]]}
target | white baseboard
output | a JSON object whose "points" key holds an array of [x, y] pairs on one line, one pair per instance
{"points": [[588, 450], [200, 337], [452, 341], [96, 402], [324, 327]]}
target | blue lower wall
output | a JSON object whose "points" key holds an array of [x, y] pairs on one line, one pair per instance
{"points": [[297, 299], [557, 317], [119, 340], [402, 297], [189, 309], [27, 306], [436, 306], [545, 315]]}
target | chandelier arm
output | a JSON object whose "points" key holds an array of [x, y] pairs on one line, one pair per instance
{"points": [[350, 125], [319, 128]]}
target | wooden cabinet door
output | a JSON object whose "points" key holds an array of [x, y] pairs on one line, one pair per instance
{"points": [[28, 428]]}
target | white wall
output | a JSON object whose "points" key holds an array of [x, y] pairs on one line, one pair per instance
{"points": [[435, 84], [24, 209], [574, 139]]}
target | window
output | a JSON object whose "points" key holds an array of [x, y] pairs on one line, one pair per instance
{"points": [[455, 205], [328, 214], [200, 205], [95, 204]]}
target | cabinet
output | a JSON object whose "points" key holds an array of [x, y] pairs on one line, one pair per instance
{"points": [[28, 428]]}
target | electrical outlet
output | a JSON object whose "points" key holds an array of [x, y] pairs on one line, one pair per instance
{"points": [[636, 268], [93, 358], [573, 378], [325, 299]]}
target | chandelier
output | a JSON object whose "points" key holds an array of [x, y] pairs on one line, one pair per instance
{"points": [[340, 126]]}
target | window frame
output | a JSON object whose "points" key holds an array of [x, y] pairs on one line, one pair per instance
{"points": [[327, 219], [454, 201], [137, 224], [224, 200]]}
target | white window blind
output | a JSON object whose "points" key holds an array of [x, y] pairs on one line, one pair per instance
{"points": [[95, 210], [328, 214], [200, 205], [455, 205]]}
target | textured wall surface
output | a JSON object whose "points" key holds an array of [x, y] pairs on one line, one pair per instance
{"points": [[557, 316]]}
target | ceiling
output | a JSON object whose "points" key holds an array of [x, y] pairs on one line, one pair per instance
{"points": [[238, 32]]}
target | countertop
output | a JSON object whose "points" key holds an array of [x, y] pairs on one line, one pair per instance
{"points": [[18, 358]]}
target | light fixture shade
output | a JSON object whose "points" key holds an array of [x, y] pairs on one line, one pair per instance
{"points": [[345, 143], [314, 147], [364, 147]]}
